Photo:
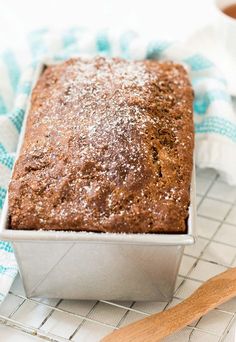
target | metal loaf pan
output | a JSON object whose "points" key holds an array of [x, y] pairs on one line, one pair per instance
{"points": [[108, 266]]}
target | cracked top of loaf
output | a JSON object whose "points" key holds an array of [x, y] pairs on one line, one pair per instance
{"points": [[108, 147]]}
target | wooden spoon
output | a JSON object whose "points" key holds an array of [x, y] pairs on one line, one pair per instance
{"points": [[212, 293]]}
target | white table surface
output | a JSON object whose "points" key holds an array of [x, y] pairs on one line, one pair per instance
{"points": [[216, 247]]}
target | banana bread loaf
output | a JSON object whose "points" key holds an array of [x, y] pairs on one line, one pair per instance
{"points": [[108, 148]]}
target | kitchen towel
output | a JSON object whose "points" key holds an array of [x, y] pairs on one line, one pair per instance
{"points": [[215, 120]]}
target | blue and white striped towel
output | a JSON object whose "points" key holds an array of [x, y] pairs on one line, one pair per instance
{"points": [[215, 121]]}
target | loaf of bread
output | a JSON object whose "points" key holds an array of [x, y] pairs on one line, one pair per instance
{"points": [[108, 147]]}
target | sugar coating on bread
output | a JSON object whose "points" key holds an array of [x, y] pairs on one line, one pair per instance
{"points": [[108, 148]]}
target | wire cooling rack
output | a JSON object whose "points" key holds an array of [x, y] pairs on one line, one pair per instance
{"points": [[215, 251]]}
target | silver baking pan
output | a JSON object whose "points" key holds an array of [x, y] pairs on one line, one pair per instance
{"points": [[108, 266]]}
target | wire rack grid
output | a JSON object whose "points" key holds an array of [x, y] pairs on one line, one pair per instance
{"points": [[215, 251]]}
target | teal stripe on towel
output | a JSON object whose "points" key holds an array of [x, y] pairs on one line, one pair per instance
{"points": [[198, 62], [2, 149], [3, 108], [6, 160], [17, 118], [13, 68], [156, 48], [204, 100], [8, 271], [102, 43], [218, 125], [6, 246], [3, 192]]}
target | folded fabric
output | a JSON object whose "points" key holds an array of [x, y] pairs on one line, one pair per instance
{"points": [[215, 121]]}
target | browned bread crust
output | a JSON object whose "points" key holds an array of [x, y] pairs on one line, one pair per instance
{"points": [[108, 148]]}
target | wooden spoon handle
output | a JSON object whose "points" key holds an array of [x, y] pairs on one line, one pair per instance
{"points": [[154, 328]]}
